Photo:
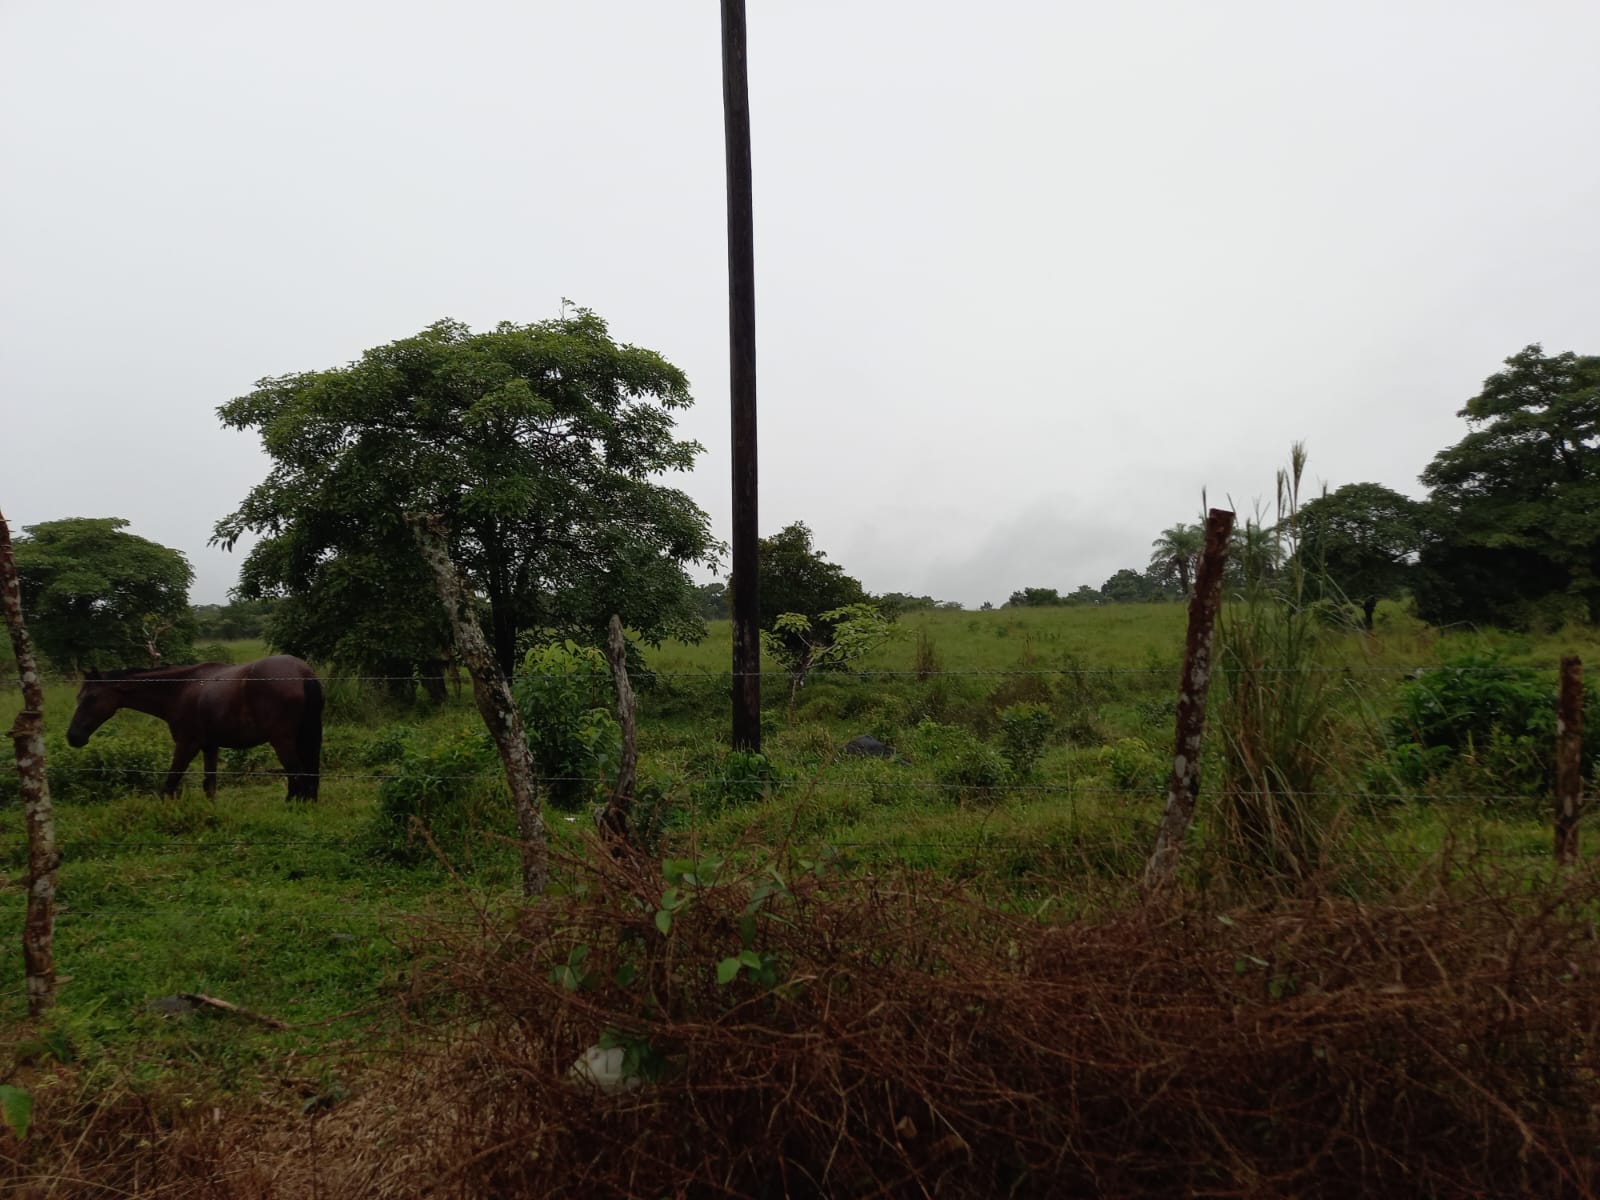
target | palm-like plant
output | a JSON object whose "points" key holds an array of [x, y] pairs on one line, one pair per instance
{"points": [[1176, 553]]}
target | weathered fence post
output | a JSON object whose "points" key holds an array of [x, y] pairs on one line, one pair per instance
{"points": [[613, 818], [1184, 786], [493, 694], [27, 738], [1569, 760]]}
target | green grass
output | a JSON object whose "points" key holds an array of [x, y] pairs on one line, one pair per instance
{"points": [[285, 910]]}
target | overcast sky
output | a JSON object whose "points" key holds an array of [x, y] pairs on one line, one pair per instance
{"points": [[1029, 276]]}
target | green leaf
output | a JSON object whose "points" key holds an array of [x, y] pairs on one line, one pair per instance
{"points": [[16, 1109], [747, 929], [663, 920], [727, 969], [750, 959], [626, 974]]}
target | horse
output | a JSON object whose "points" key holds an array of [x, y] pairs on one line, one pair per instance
{"points": [[210, 706]]}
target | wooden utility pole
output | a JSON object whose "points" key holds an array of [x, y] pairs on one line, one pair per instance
{"points": [[1184, 787], [1569, 760], [742, 381], [493, 694], [27, 738]]}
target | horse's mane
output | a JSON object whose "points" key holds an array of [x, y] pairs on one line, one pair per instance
{"points": [[175, 671]]}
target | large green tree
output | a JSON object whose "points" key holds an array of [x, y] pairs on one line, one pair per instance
{"points": [[1514, 507], [540, 446], [1364, 537], [796, 577], [97, 596]]}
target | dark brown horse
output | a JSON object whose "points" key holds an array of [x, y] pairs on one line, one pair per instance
{"points": [[213, 706]]}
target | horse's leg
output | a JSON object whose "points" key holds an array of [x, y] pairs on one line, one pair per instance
{"points": [[211, 772], [182, 755], [283, 746]]}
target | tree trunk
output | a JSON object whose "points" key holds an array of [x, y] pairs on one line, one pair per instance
{"points": [[27, 738], [490, 690], [505, 634]]}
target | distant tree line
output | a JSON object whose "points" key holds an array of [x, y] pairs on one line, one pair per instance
{"points": [[541, 447], [1509, 533]]}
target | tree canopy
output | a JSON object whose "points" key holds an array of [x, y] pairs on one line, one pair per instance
{"points": [[1176, 554], [1363, 537], [539, 446], [97, 596], [1514, 508], [796, 577]]}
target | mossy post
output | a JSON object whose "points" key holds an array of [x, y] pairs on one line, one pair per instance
{"points": [[613, 818], [1569, 760], [1184, 787], [493, 694], [27, 738]]}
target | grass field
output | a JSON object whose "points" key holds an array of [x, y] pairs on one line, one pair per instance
{"points": [[304, 912]]}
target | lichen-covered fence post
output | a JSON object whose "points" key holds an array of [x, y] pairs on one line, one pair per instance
{"points": [[1569, 760], [27, 738], [493, 695], [1184, 786], [613, 818]]}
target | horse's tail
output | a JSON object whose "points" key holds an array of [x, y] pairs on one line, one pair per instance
{"points": [[308, 739]]}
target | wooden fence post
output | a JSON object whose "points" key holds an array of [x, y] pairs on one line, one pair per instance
{"points": [[613, 818], [493, 694], [1569, 760], [1184, 786], [27, 739]]}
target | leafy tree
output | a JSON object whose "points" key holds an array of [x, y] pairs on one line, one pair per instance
{"points": [[1176, 554], [1363, 537], [539, 445], [1514, 508], [798, 578], [1082, 594], [96, 596], [1035, 597], [1128, 586], [896, 603], [853, 632], [233, 621], [713, 600]]}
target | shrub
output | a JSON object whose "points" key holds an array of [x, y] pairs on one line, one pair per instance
{"points": [[1135, 767], [451, 789], [739, 777], [961, 762], [1487, 726], [1024, 730], [120, 759], [561, 693]]}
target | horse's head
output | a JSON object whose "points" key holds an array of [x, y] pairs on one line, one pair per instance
{"points": [[97, 700]]}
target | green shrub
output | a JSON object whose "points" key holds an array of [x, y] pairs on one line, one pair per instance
{"points": [[1480, 725], [961, 762], [213, 652], [561, 693], [740, 777], [1136, 767], [1024, 730], [119, 760], [452, 789]]}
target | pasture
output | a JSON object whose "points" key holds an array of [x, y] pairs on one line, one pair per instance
{"points": [[328, 916]]}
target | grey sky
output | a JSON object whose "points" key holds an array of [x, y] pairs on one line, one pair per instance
{"points": [[1029, 276]]}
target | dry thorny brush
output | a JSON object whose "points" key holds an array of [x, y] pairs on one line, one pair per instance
{"points": [[831, 1031]]}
